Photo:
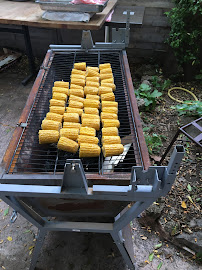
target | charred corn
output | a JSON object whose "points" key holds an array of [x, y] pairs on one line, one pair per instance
{"points": [[71, 125], [56, 102], [109, 104], [61, 84], [48, 136], [105, 90], [68, 145], [57, 109], [60, 90], [76, 98], [50, 125], [71, 117], [108, 116], [71, 133], [76, 81], [110, 110], [104, 66], [74, 110], [110, 131], [75, 86], [79, 72], [110, 123], [106, 76], [110, 80], [111, 85], [90, 90], [54, 116], [93, 123], [87, 131], [92, 84], [89, 110], [75, 104], [89, 150], [105, 71], [112, 150], [91, 103], [92, 79], [108, 97], [111, 140], [96, 97], [59, 96], [92, 73], [80, 66], [87, 139], [90, 116], [76, 92]]}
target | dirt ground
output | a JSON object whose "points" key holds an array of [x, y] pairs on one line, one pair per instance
{"points": [[72, 251]]}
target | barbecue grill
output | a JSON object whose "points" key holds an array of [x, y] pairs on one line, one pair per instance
{"points": [[89, 194]]}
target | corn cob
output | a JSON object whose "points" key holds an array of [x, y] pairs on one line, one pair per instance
{"points": [[91, 116], [71, 117], [110, 123], [109, 104], [92, 84], [110, 110], [92, 79], [111, 140], [79, 72], [71, 125], [76, 98], [68, 145], [104, 90], [60, 90], [56, 102], [87, 139], [74, 110], [50, 125], [104, 66], [89, 150], [108, 97], [59, 96], [48, 136], [106, 76], [93, 123], [110, 80], [105, 71], [89, 110], [110, 131], [93, 68], [112, 150], [71, 133], [76, 92], [111, 85], [80, 66], [58, 110], [75, 104], [108, 116], [61, 84], [91, 103], [75, 86], [54, 116], [90, 90], [88, 131], [78, 76], [96, 97], [92, 73], [76, 81]]}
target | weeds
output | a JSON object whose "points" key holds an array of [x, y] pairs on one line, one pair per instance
{"points": [[157, 83], [193, 108], [154, 141]]}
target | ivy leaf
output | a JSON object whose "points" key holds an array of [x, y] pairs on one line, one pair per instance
{"points": [[151, 257], [189, 188], [159, 266], [6, 212]]}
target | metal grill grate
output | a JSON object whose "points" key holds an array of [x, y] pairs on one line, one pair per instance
{"points": [[30, 157]]}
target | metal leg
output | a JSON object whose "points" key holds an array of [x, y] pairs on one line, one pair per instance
{"points": [[106, 34], [37, 248]]}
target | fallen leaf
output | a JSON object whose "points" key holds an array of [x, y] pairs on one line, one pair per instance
{"points": [[151, 257], [147, 262], [189, 188], [31, 247], [144, 238], [3, 267], [9, 238], [159, 266], [1, 241], [183, 205], [158, 256], [189, 197], [27, 231], [156, 158], [6, 212], [158, 246]]}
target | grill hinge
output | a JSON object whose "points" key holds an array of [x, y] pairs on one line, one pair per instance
{"points": [[22, 125]]}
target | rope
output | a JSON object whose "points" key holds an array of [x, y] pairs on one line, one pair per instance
{"points": [[183, 89]]}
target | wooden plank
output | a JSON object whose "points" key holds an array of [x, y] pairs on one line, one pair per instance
{"points": [[29, 13]]}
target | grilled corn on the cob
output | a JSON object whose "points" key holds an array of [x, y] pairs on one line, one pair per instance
{"points": [[109, 104], [56, 102], [105, 115], [92, 73], [79, 72], [93, 123], [110, 80], [71, 125], [54, 116], [76, 98], [78, 76], [90, 90], [90, 116], [111, 85], [71, 117], [92, 79], [106, 76], [91, 103], [59, 96], [74, 110], [75, 86], [68, 145], [108, 97], [110, 123], [89, 96], [87, 131], [112, 150], [48, 136], [89, 110], [110, 110], [60, 90], [111, 140], [71, 133], [104, 66], [57, 109], [61, 84], [105, 71], [76, 92], [76, 81], [105, 90], [75, 104], [110, 131], [92, 84], [89, 150], [87, 139], [80, 66], [50, 125], [93, 68]]}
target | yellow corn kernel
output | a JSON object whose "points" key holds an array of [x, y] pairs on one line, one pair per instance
{"points": [[110, 80], [92, 84], [57, 109], [76, 92], [71, 117], [54, 116], [104, 66], [106, 76], [109, 150], [79, 72], [89, 150], [59, 96], [111, 140], [110, 131], [68, 145], [91, 116], [71, 125], [90, 90], [104, 90], [93, 123], [110, 110], [92, 73], [50, 125], [96, 97], [91, 103], [76, 98], [89, 110], [75, 86], [105, 115], [92, 79], [76, 81], [56, 102], [74, 110], [108, 97], [106, 71], [78, 76], [111, 85], [88, 131], [110, 123], [87, 139], [80, 66], [93, 68], [71, 133], [48, 136], [61, 84], [60, 90], [109, 104], [75, 104]]}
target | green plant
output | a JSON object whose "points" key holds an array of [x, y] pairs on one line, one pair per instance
{"points": [[149, 96], [186, 30], [154, 141], [159, 84], [193, 108], [199, 76]]}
